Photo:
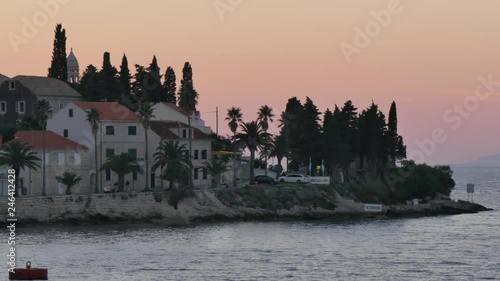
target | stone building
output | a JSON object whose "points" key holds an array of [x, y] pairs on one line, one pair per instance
{"points": [[73, 68], [61, 155], [18, 95]]}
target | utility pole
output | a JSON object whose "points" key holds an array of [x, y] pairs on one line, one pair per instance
{"points": [[190, 152], [217, 120]]}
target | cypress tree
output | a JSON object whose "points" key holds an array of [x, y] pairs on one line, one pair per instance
{"points": [[169, 86], [58, 68], [125, 76], [153, 82], [291, 128], [392, 133], [108, 80], [188, 97]]}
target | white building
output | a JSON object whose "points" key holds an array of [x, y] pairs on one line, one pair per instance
{"points": [[61, 155], [201, 150], [119, 131], [170, 112]]}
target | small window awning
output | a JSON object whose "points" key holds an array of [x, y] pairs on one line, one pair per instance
{"points": [[226, 153]]}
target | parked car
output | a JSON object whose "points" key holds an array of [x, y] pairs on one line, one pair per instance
{"points": [[110, 188], [263, 179], [298, 178]]}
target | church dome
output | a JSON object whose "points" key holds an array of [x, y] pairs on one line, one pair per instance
{"points": [[72, 62]]}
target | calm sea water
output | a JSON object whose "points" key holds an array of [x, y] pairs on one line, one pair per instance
{"points": [[461, 247]]}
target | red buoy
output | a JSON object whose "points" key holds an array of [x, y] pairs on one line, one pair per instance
{"points": [[29, 273]]}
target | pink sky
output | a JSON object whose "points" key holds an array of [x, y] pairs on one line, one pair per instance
{"points": [[427, 58]]}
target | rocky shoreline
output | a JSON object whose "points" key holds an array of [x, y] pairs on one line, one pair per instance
{"points": [[205, 207]]}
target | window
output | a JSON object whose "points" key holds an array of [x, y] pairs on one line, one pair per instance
{"points": [[195, 173], [3, 107], [60, 158], [20, 106], [132, 152], [65, 133], [132, 130], [78, 159], [184, 134], [12, 85], [203, 154], [108, 174], [70, 112], [110, 130], [204, 173], [195, 154], [134, 176], [46, 158], [110, 152], [61, 105]]}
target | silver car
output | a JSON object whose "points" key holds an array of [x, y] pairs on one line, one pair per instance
{"points": [[298, 178]]}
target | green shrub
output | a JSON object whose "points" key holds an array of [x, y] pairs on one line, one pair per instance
{"points": [[176, 196]]}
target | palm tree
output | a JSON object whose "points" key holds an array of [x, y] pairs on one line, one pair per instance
{"points": [[69, 179], [216, 168], [265, 116], [145, 115], [19, 156], [122, 164], [234, 116], [42, 111], [94, 118], [252, 137], [173, 156], [279, 150]]}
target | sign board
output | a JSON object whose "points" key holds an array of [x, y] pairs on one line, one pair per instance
{"points": [[376, 208], [470, 188], [319, 180]]}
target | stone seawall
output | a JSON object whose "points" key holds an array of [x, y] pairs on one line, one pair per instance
{"points": [[144, 206], [204, 206]]}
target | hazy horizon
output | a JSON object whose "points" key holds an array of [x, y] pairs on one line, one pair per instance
{"points": [[432, 58]]}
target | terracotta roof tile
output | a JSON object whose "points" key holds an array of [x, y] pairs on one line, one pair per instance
{"points": [[53, 141], [109, 110], [162, 128], [178, 109]]}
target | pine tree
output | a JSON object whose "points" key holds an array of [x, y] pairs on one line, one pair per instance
{"points": [[125, 77], [333, 146], [58, 67], [310, 143], [169, 86], [372, 130], [89, 84]]}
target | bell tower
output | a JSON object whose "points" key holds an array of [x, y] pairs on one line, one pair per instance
{"points": [[73, 68]]}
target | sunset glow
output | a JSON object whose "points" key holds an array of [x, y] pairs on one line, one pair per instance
{"points": [[439, 60]]}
